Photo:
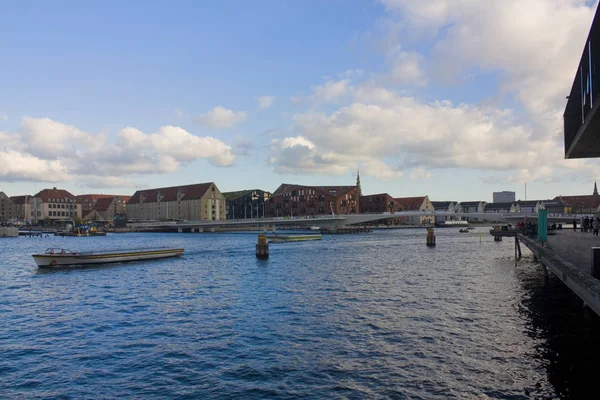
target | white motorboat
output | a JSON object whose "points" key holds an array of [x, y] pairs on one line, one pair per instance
{"points": [[54, 257]]}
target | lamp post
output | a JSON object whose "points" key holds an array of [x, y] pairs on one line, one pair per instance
{"points": [[254, 198]]}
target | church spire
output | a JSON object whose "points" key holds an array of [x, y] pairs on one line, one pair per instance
{"points": [[595, 189], [358, 183]]}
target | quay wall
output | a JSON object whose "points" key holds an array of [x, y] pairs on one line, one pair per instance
{"points": [[578, 280], [9, 231]]}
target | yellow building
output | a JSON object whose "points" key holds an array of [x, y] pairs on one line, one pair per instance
{"points": [[202, 201]]}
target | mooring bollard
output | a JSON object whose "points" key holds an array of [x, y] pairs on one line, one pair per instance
{"points": [[595, 267], [497, 238], [430, 237], [262, 247]]}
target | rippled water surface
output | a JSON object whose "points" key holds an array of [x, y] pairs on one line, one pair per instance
{"points": [[375, 315]]}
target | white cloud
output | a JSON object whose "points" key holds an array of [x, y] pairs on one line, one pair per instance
{"points": [[220, 118], [407, 69], [419, 174], [298, 155], [265, 102], [330, 92], [419, 136], [533, 45], [16, 166], [49, 139], [379, 170], [93, 160]]}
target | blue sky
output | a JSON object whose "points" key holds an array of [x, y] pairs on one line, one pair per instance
{"points": [[428, 98]]}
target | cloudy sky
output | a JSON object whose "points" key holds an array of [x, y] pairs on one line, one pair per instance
{"points": [[453, 99]]}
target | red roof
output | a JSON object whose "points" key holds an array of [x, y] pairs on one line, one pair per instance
{"points": [[584, 202], [19, 200], [189, 192], [47, 194], [410, 203], [90, 198], [104, 203]]}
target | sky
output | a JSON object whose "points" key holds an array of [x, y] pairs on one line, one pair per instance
{"points": [[454, 99]]}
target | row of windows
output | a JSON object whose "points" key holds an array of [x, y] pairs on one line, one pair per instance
{"points": [[65, 200], [61, 214], [67, 206]]}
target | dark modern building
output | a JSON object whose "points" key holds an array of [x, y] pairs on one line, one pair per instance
{"points": [[246, 203], [581, 117]]}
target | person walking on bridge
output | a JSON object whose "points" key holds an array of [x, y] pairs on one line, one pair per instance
{"points": [[595, 225], [574, 224]]}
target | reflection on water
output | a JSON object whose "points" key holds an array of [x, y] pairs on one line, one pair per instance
{"points": [[568, 332], [350, 316]]}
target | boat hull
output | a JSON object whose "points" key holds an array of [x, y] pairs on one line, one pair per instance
{"points": [[61, 260]]}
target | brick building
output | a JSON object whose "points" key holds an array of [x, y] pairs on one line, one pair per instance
{"points": [[22, 209], [7, 208], [377, 204], [290, 200]]}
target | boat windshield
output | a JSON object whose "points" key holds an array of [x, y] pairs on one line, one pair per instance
{"points": [[58, 251]]}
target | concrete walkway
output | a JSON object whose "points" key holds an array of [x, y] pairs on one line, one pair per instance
{"points": [[568, 255], [574, 247]]}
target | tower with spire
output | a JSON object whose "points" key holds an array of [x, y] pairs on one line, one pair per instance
{"points": [[358, 183], [595, 189]]}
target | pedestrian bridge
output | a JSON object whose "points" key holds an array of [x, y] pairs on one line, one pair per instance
{"points": [[337, 221]]}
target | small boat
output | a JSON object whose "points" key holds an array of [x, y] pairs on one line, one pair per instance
{"points": [[315, 228], [292, 238], [56, 257], [464, 230]]}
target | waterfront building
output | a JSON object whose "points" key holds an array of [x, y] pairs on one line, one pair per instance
{"points": [[528, 206], [581, 117], [555, 206], [106, 208], [22, 209], [377, 204], [246, 203], [202, 201], [448, 206], [421, 203], [473, 207], [501, 207], [57, 205], [7, 208], [504, 197], [290, 200], [581, 204], [88, 201]]}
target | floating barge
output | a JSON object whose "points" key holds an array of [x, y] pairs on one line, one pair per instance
{"points": [[56, 257], [292, 238]]}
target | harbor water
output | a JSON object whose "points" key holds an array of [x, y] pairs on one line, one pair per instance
{"points": [[377, 315]]}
